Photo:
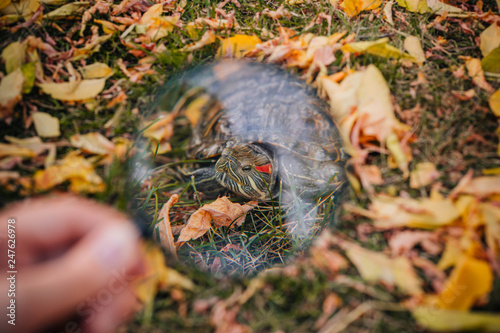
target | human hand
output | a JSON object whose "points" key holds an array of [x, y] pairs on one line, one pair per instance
{"points": [[73, 257]]}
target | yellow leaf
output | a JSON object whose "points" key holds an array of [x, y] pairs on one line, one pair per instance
{"points": [[491, 63], [76, 169], [490, 39], [109, 27], [417, 213], [11, 88], [491, 218], [434, 319], [207, 38], [22, 8], [494, 102], [4, 3], [414, 48], [94, 143], [354, 7], [439, 8], [470, 280], [158, 276], [28, 70], [68, 11], [153, 12], [237, 46], [46, 126], [378, 267], [378, 47], [476, 73], [74, 91], [397, 153], [28, 147], [423, 175], [414, 6], [194, 110], [14, 56], [97, 70]]}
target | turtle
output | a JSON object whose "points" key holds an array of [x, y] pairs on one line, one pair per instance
{"points": [[266, 130]]}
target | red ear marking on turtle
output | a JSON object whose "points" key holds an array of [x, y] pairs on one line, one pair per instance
{"points": [[266, 168]]}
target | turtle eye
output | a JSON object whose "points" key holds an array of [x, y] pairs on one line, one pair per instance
{"points": [[246, 168]]}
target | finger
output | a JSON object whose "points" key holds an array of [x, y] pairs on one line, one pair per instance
{"points": [[99, 264], [51, 224], [111, 315]]}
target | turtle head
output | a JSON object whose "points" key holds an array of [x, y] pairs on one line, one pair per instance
{"points": [[248, 170]]}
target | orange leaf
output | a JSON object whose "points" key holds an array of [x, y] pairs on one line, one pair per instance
{"points": [[237, 46]]}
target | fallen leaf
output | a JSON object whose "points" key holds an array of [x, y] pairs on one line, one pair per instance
{"points": [[46, 126], [75, 169], [482, 186], [237, 46], [470, 280], [28, 147], [159, 131], [403, 241], [414, 48], [414, 6], [21, 9], [423, 174], [164, 228], [494, 102], [74, 91], [68, 11], [424, 213], [388, 12], [490, 39], [194, 110], [94, 143], [207, 38], [491, 63], [379, 48], [397, 154], [14, 56], [223, 213], [377, 267], [439, 8], [491, 218], [450, 320], [11, 87], [97, 70], [158, 276], [354, 7], [476, 73]]}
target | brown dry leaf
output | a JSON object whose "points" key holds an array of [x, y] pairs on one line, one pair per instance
{"points": [[377, 267], [404, 241], [423, 174], [207, 38], [414, 48], [158, 277], [379, 48], [74, 91], [237, 46], [464, 95], [494, 102], [74, 168], [222, 211], [354, 7], [94, 143], [46, 126], [416, 213], [470, 280], [97, 70], [164, 227], [439, 8], [476, 73], [11, 88], [490, 39], [435, 319], [388, 12]]}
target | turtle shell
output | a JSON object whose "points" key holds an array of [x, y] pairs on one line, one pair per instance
{"points": [[258, 103]]}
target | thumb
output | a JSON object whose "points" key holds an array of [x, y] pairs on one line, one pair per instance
{"points": [[56, 289]]}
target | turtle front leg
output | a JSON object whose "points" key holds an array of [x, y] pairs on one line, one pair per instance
{"points": [[205, 182]]}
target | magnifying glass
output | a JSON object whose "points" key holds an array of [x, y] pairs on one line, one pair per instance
{"points": [[252, 159]]}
